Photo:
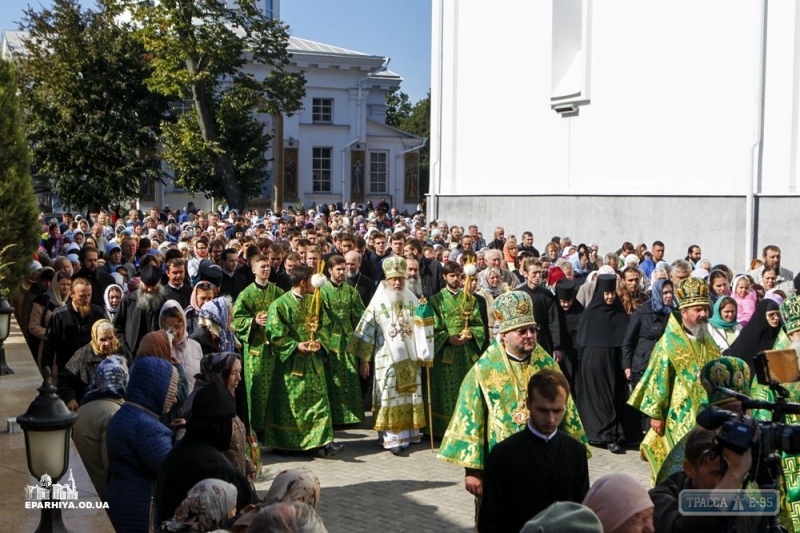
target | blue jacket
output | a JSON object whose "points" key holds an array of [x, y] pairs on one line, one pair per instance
{"points": [[137, 444]]}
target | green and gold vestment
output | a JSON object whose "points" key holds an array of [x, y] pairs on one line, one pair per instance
{"points": [[670, 389], [451, 363], [341, 310], [298, 412], [491, 406], [258, 362]]}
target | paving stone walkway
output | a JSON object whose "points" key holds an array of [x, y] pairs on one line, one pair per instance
{"points": [[368, 489]]}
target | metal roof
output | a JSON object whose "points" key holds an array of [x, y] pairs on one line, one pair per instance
{"points": [[296, 44]]}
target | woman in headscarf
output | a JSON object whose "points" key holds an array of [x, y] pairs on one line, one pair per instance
{"points": [[645, 327], [173, 320], [621, 503], [294, 485], [207, 507], [102, 400], [226, 369], [41, 311], [214, 332], [761, 333], [199, 455], [137, 444], [79, 372], [580, 266], [112, 298], [719, 285], [723, 326], [159, 344], [492, 286], [59, 289], [600, 383], [554, 275], [203, 292]]}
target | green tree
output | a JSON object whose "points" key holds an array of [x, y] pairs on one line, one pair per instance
{"points": [[398, 107], [92, 124], [200, 49], [414, 119], [19, 228]]}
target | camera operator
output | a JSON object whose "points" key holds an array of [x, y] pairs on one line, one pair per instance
{"points": [[702, 469]]}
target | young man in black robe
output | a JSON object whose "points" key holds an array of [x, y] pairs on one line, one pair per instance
{"points": [[536, 467]]}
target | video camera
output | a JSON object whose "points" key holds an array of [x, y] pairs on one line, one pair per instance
{"points": [[737, 433]]}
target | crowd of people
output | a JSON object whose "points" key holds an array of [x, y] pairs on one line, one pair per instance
{"points": [[188, 342]]}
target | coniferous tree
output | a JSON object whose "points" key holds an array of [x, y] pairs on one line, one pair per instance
{"points": [[19, 228]]}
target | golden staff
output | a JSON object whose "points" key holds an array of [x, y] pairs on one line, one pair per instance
{"points": [[466, 305], [318, 280]]}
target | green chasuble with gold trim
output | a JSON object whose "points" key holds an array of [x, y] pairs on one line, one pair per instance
{"points": [[670, 389], [790, 484], [341, 310], [451, 363], [491, 406], [258, 362], [298, 411]]}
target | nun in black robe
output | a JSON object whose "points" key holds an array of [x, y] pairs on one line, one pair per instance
{"points": [[600, 383], [758, 335], [569, 320]]}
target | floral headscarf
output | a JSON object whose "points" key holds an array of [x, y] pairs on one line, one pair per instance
{"points": [[215, 315], [103, 323], [110, 380], [295, 485], [207, 507]]}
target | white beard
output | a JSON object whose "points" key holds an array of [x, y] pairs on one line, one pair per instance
{"points": [[699, 330], [150, 302], [414, 285], [395, 297], [351, 275]]}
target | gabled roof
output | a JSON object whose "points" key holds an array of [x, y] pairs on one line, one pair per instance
{"points": [[12, 43], [296, 44], [374, 127]]}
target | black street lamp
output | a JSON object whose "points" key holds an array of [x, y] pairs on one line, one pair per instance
{"points": [[5, 329], [48, 426]]}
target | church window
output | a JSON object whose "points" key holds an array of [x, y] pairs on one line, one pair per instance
{"points": [[378, 172], [322, 110], [321, 169]]}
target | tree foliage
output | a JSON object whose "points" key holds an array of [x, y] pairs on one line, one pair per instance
{"points": [[19, 228], [199, 49], [91, 121], [414, 119], [398, 107]]}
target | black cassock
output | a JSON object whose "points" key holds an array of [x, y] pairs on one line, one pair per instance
{"points": [[600, 384], [523, 475]]}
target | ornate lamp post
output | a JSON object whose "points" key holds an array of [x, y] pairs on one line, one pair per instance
{"points": [[5, 329], [48, 426]]}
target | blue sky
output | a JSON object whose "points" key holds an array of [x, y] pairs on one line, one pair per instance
{"points": [[394, 28]]}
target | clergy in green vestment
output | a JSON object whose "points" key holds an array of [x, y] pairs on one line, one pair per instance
{"points": [[458, 334], [669, 391], [491, 402], [790, 488], [341, 310], [298, 411], [249, 323]]}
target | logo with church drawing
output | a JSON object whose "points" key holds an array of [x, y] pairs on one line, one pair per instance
{"points": [[47, 490]]}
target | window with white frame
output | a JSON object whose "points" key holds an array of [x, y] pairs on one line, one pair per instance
{"points": [[321, 169], [322, 110], [378, 172]]}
